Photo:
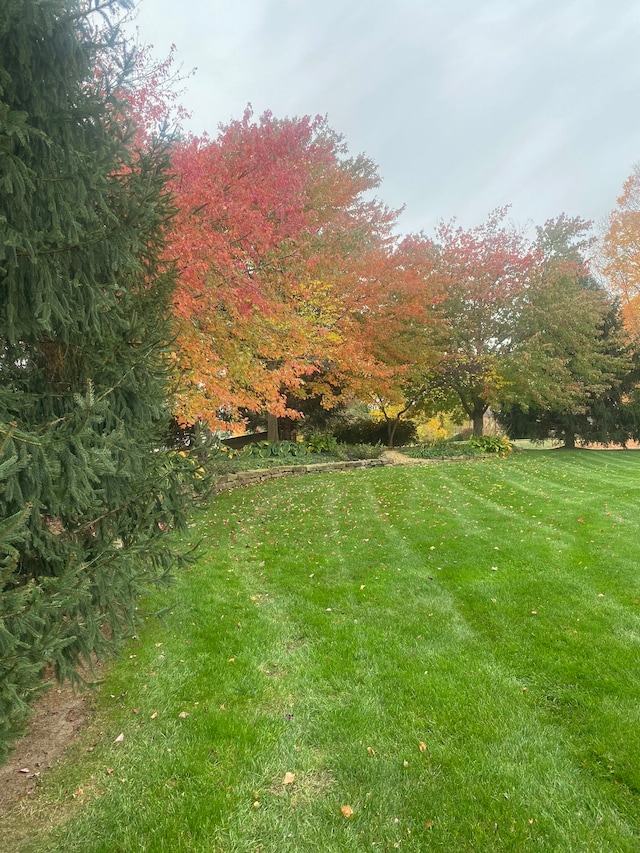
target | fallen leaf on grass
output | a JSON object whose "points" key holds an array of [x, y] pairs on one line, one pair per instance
{"points": [[347, 811], [371, 750], [120, 738], [183, 714], [423, 746], [289, 778], [154, 715]]}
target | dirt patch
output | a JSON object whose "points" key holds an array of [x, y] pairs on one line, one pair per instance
{"points": [[397, 458], [58, 717]]}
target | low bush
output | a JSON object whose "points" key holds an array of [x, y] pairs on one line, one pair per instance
{"points": [[259, 450], [464, 434], [476, 446], [491, 444], [366, 431], [350, 452], [438, 450], [222, 459], [321, 442]]}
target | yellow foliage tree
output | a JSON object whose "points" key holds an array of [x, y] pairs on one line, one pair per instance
{"points": [[621, 250]]}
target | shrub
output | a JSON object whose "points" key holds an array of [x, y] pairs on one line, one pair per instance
{"points": [[322, 443], [353, 452], [438, 450], [464, 434], [491, 444], [366, 431], [476, 446]]}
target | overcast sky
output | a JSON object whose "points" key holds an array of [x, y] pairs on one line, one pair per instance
{"points": [[465, 105]]}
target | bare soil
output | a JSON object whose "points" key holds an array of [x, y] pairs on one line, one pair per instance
{"points": [[58, 717], [398, 458]]}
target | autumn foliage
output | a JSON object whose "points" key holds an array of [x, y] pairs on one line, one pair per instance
{"points": [[486, 273], [293, 283], [286, 263], [621, 250]]}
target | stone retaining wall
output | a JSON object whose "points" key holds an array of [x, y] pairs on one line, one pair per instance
{"points": [[248, 478]]}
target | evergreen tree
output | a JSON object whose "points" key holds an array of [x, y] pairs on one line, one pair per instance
{"points": [[86, 488]]}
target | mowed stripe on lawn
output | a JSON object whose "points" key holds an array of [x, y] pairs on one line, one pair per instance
{"points": [[450, 650]]}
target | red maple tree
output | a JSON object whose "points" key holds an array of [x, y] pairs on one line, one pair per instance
{"points": [[280, 259]]}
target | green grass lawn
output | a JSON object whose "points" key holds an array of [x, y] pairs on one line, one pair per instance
{"points": [[451, 650]]}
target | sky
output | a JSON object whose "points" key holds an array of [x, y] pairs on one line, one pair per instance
{"points": [[465, 105]]}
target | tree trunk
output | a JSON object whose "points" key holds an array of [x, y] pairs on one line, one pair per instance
{"points": [[391, 431], [287, 429], [478, 423], [569, 441], [272, 428]]}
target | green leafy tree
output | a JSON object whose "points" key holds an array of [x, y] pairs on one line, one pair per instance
{"points": [[571, 366], [594, 398], [86, 489]]}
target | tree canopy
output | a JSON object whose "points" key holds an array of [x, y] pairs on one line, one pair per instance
{"points": [[282, 259], [572, 364], [621, 252], [484, 273]]}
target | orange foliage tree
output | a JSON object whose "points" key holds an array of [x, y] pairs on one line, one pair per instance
{"points": [[283, 262], [621, 250], [405, 331]]}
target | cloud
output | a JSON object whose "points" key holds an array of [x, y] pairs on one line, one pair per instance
{"points": [[465, 105]]}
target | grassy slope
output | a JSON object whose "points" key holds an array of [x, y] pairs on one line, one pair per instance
{"points": [[450, 650]]}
